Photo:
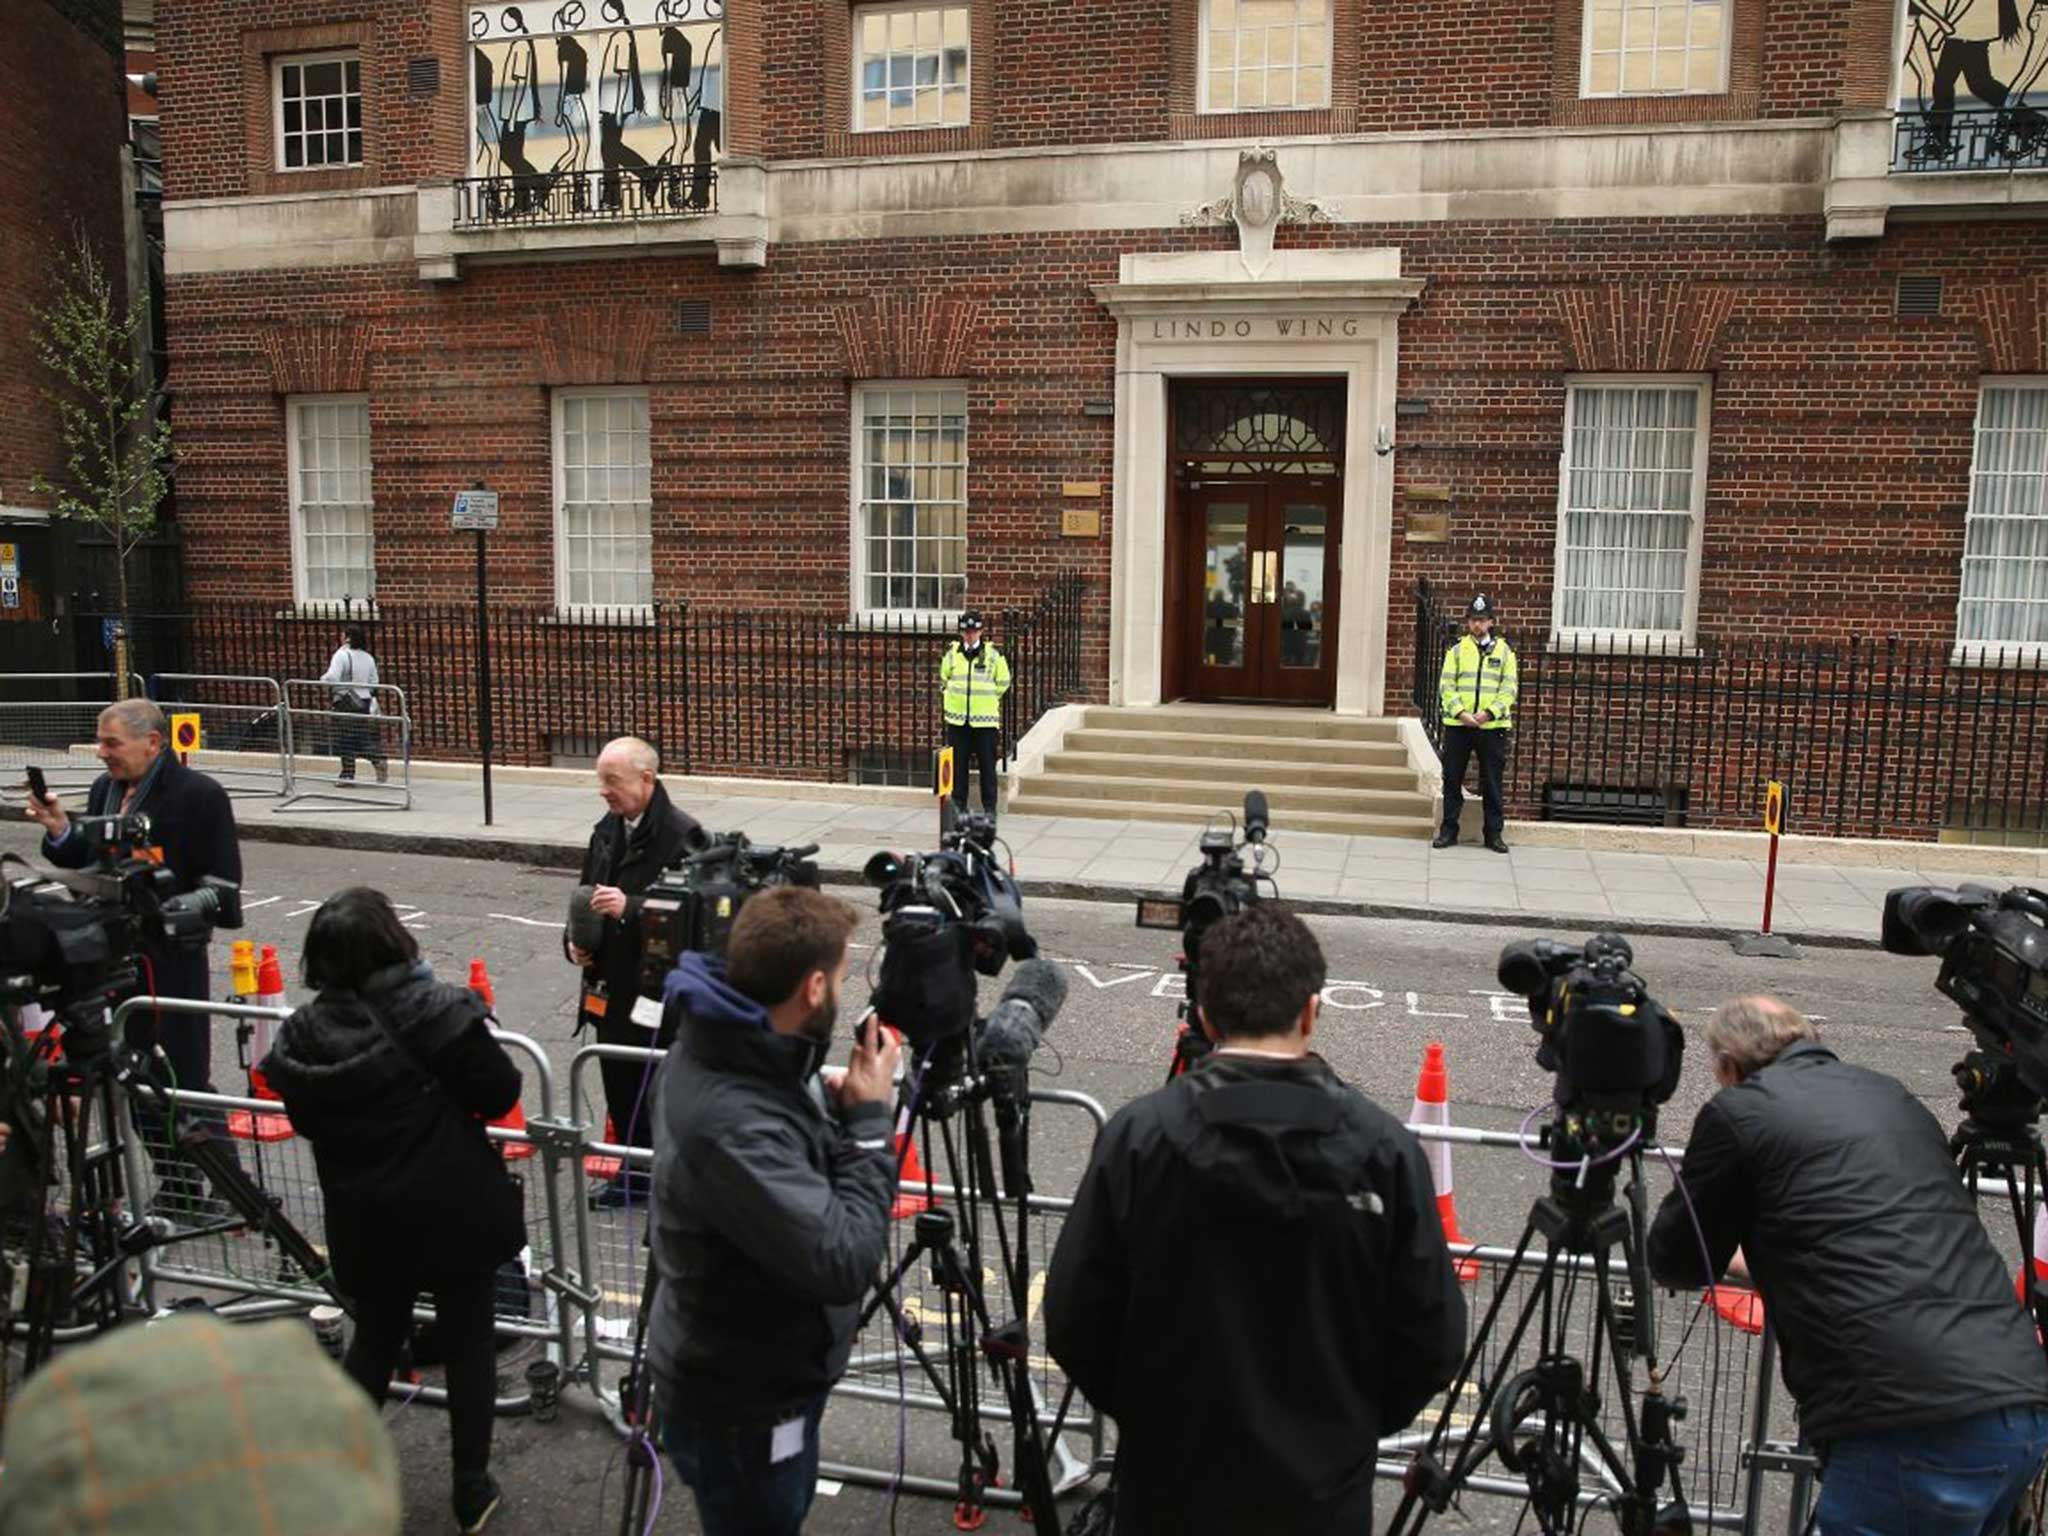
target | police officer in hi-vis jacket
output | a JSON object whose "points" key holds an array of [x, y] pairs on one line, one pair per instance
{"points": [[1477, 692]]}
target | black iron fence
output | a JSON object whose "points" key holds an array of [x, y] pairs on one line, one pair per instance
{"points": [[585, 197], [1871, 737], [2009, 138], [749, 692]]}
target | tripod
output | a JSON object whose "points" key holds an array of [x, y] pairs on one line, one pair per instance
{"points": [[77, 1263], [1543, 1420], [952, 1242]]}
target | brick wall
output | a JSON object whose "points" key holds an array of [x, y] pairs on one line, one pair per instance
{"points": [[1087, 71], [1838, 456], [60, 74]]}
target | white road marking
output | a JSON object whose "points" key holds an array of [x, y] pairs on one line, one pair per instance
{"points": [[529, 922]]}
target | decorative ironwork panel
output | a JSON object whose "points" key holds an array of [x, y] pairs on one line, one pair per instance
{"points": [[587, 197], [1981, 139], [1271, 426], [587, 110]]}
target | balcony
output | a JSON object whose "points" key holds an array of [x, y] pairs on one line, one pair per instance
{"points": [[721, 207], [1962, 164], [1978, 139], [584, 197]]}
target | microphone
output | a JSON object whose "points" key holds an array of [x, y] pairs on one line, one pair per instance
{"points": [[1256, 817], [1029, 1004]]}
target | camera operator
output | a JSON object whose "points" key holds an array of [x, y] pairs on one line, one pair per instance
{"points": [[1253, 1280], [641, 833], [771, 1208], [1918, 1377], [192, 821]]}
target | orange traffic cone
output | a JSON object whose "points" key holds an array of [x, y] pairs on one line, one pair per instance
{"points": [[247, 1125], [514, 1119], [1433, 1107], [2039, 1258], [1739, 1307], [910, 1178], [595, 1164]]}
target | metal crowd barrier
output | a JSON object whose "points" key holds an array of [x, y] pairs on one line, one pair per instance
{"points": [[586, 1270], [344, 760], [39, 727], [245, 736]]}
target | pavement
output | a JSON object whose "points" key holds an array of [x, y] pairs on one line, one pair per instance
{"points": [[543, 818]]}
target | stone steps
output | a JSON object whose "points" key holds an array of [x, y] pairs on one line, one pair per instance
{"points": [[1185, 763]]}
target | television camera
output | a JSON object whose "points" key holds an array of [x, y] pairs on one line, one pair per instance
{"points": [[1615, 1053], [946, 917], [692, 906], [1994, 963], [1219, 886], [71, 941]]}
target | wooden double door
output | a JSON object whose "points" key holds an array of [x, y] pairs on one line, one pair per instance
{"points": [[1258, 589]]}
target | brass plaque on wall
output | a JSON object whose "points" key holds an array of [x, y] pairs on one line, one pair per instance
{"points": [[1080, 523], [1429, 527]]}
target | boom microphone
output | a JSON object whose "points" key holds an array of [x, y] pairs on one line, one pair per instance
{"points": [[1029, 1004], [1256, 817]]}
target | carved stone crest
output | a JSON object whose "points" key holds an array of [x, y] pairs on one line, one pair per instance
{"points": [[1258, 203]]}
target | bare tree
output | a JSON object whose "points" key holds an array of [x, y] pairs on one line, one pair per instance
{"points": [[110, 416]]}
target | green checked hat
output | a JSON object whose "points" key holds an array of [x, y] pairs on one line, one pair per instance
{"points": [[193, 1426]]}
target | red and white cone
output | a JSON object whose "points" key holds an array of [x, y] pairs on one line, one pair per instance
{"points": [[2039, 1258], [1433, 1107]]}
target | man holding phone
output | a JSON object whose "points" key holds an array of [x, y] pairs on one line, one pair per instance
{"points": [[192, 825], [771, 1205]]}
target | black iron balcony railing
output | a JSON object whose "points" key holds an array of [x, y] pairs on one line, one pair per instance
{"points": [[1972, 139], [587, 197]]}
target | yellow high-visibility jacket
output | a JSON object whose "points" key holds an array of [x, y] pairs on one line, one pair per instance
{"points": [[972, 688], [1476, 682]]}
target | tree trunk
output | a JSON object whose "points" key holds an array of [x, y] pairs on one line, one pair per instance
{"points": [[124, 644]]}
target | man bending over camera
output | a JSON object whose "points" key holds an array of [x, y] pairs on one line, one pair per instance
{"points": [[771, 1208], [1918, 1377], [1253, 1281]]}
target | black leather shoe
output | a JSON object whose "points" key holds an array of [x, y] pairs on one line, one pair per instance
{"points": [[1443, 840], [1497, 845]]}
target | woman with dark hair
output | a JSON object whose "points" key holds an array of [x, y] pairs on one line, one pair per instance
{"points": [[391, 1074], [353, 672]]}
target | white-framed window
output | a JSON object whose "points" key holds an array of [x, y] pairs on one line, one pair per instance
{"points": [[2004, 598], [910, 66], [317, 116], [334, 544], [604, 510], [1631, 494], [1262, 55], [1655, 47], [909, 498]]}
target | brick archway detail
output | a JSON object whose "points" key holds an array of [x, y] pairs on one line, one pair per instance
{"points": [[1666, 326], [887, 337]]}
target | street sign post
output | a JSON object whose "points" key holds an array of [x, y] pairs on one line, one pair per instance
{"points": [[185, 736], [476, 511], [1765, 942]]}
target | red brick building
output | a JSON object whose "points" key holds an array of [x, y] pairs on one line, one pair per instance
{"points": [[1670, 323], [60, 170]]}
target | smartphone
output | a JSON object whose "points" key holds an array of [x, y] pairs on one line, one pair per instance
{"points": [[861, 1029], [37, 784]]}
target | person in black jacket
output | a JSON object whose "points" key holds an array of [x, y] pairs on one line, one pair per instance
{"points": [[1253, 1279], [641, 834], [193, 822], [771, 1209], [391, 1074], [1917, 1375]]}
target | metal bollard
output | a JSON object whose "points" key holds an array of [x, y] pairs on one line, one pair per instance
{"points": [[544, 1389], [326, 1323]]}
